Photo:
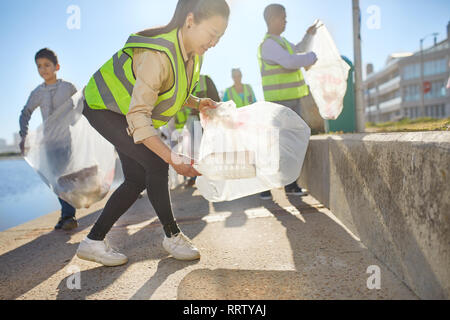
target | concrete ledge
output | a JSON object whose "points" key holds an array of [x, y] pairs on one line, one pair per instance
{"points": [[393, 192]]}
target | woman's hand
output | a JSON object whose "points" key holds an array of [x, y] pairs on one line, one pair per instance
{"points": [[183, 166], [206, 104]]}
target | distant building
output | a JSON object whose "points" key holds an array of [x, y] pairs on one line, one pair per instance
{"points": [[16, 138], [394, 92], [9, 149], [12, 148]]}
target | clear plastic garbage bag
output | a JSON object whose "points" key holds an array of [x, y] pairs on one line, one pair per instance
{"points": [[249, 150], [327, 78], [71, 157]]}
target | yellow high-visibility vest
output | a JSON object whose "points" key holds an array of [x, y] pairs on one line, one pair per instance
{"points": [[280, 84], [248, 96], [111, 87], [181, 117], [201, 90]]}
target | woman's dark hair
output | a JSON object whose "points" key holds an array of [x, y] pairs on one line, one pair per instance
{"points": [[202, 9], [47, 54]]}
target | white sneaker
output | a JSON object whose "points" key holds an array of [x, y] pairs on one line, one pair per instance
{"points": [[180, 247], [100, 252]]}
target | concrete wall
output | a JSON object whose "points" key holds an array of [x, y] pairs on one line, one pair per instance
{"points": [[393, 192], [310, 113]]}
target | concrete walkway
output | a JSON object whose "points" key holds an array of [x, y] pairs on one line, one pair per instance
{"points": [[251, 249]]}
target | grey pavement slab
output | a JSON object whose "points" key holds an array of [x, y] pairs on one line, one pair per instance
{"points": [[290, 248]]}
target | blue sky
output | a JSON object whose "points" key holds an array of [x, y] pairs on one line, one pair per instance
{"points": [[29, 25]]}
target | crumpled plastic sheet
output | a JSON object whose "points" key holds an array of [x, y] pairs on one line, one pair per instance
{"points": [[327, 78]]}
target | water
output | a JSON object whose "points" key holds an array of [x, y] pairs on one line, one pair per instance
{"points": [[23, 195]]}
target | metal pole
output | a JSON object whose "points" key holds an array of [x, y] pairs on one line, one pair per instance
{"points": [[359, 94], [422, 76], [422, 94], [377, 97]]}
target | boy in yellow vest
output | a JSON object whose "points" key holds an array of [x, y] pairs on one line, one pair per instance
{"points": [[280, 63], [241, 94]]}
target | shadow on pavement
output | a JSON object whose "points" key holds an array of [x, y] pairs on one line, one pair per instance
{"points": [[328, 263], [143, 245], [27, 266]]}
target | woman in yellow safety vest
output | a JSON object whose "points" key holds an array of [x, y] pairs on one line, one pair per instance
{"points": [[133, 94], [241, 94]]}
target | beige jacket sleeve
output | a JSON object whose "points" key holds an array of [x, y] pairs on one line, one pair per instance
{"points": [[153, 72]]}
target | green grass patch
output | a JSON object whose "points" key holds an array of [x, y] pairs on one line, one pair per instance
{"points": [[406, 124], [9, 154]]}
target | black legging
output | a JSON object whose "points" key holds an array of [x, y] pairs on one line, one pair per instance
{"points": [[142, 169]]}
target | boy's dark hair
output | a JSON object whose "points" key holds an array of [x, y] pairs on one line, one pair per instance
{"points": [[273, 10], [47, 54]]}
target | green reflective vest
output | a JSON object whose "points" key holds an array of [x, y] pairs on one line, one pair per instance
{"points": [[181, 117], [111, 87], [280, 84], [248, 96], [201, 90]]}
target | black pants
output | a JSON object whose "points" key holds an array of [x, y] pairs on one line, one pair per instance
{"points": [[142, 169]]}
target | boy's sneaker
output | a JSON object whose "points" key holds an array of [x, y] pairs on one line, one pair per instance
{"points": [[66, 224], [266, 195], [294, 191], [191, 182], [100, 252], [59, 224], [180, 247]]}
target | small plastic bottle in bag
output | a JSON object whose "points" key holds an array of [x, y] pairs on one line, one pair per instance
{"points": [[228, 165]]}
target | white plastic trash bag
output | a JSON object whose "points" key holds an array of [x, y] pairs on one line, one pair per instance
{"points": [[249, 150], [327, 78], [71, 157]]}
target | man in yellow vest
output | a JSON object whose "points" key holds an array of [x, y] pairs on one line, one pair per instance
{"points": [[280, 62], [241, 94]]}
